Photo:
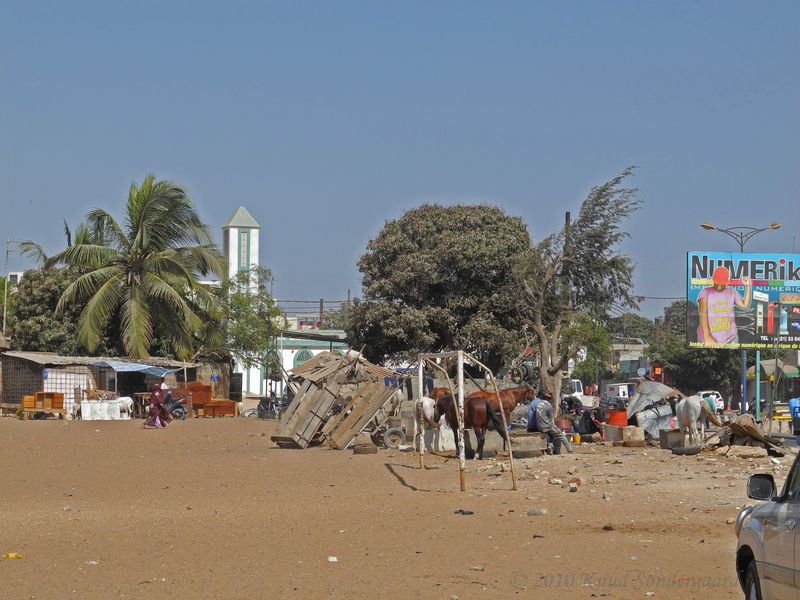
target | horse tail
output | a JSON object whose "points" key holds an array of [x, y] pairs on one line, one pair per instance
{"points": [[495, 420]]}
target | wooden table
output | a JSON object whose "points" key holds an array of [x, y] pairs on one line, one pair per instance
{"points": [[141, 404]]}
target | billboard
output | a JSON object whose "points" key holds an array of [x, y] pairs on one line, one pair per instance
{"points": [[743, 300]]}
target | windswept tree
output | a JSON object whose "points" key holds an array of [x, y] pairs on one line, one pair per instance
{"points": [[440, 278], [140, 272], [571, 279]]}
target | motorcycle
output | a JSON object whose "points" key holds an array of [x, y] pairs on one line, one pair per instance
{"points": [[176, 406], [271, 407]]}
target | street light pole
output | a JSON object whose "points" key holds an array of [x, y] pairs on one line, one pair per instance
{"points": [[5, 291], [740, 233], [743, 233]]}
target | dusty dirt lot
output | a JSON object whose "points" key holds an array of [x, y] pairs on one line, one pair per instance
{"points": [[210, 508]]}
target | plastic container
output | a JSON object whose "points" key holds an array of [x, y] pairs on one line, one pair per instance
{"points": [[576, 438], [101, 410], [113, 410], [617, 417], [87, 412]]}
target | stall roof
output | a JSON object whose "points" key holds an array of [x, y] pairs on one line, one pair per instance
{"points": [[128, 367], [770, 365], [49, 359]]}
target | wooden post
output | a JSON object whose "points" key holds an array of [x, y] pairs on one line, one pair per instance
{"points": [[460, 416], [507, 436], [420, 421]]}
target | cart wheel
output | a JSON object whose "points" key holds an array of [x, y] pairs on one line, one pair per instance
{"points": [[376, 437], [394, 437]]}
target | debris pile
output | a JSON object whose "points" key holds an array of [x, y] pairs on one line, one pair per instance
{"points": [[335, 397], [744, 431]]}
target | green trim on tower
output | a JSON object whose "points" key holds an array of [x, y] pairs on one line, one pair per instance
{"points": [[243, 250]]}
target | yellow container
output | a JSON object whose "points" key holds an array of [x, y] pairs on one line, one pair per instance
{"points": [[576, 438]]}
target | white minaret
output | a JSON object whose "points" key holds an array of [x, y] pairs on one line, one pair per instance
{"points": [[240, 242], [240, 246]]}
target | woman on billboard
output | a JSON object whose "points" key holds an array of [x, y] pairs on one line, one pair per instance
{"points": [[716, 307]]}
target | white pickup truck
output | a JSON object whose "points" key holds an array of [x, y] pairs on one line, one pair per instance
{"points": [[574, 388]]}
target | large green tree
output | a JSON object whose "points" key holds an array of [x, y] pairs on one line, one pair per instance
{"points": [[440, 278], [570, 281], [138, 272], [631, 325], [33, 324]]}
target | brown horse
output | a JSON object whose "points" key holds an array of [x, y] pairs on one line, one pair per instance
{"points": [[437, 393], [478, 414], [509, 398]]}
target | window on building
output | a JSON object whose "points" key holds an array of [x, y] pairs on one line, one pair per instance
{"points": [[302, 356]]}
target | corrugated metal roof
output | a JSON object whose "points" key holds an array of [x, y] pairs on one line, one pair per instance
{"points": [[323, 335], [51, 359]]}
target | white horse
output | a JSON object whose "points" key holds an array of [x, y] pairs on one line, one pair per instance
{"points": [[428, 406], [692, 413]]}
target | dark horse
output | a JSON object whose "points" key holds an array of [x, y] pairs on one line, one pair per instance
{"points": [[509, 398], [478, 414]]}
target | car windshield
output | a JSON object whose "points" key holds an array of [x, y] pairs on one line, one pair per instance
{"points": [[791, 489]]}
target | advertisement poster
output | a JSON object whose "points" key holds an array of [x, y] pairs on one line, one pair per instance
{"points": [[743, 300]]}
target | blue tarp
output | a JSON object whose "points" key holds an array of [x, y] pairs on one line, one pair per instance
{"points": [[127, 367]]}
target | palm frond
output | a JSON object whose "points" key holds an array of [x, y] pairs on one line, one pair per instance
{"points": [[33, 251], [84, 256], [106, 230], [136, 323], [98, 312], [87, 285]]}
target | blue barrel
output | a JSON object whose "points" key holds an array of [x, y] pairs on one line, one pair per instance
{"points": [[794, 411]]}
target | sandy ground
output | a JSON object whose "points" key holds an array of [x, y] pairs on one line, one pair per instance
{"points": [[210, 508]]}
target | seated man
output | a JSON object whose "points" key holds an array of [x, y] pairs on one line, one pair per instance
{"points": [[540, 418]]}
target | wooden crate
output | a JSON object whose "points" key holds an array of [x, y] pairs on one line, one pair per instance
{"points": [[219, 408], [43, 402], [199, 394], [49, 399]]}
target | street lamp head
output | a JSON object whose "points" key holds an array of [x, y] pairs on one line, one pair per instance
{"points": [[775, 225], [707, 226]]}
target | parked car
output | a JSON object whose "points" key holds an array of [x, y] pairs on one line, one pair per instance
{"points": [[719, 402], [768, 547]]}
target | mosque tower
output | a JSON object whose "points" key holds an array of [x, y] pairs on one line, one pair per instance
{"points": [[240, 241], [240, 247]]}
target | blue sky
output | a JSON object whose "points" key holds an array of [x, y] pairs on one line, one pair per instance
{"points": [[325, 119]]}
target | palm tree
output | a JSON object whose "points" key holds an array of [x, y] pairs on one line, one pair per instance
{"points": [[141, 273], [82, 236]]}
